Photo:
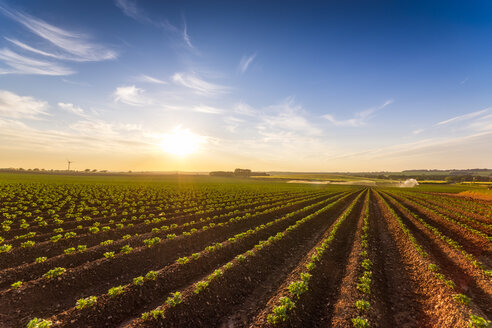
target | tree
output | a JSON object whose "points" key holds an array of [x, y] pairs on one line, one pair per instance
{"points": [[242, 172]]}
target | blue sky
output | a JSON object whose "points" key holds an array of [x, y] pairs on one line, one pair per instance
{"points": [[302, 86]]}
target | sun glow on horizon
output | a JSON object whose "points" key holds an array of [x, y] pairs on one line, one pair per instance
{"points": [[181, 142]]}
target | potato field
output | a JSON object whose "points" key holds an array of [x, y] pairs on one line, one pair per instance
{"points": [[242, 254]]}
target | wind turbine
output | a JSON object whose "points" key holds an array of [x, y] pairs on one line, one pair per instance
{"points": [[69, 162]]}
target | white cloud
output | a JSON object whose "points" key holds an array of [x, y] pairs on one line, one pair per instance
{"points": [[76, 46], [73, 109], [245, 61], [244, 109], [198, 85], [418, 131], [83, 84], [150, 79], [208, 109], [359, 119], [131, 95], [93, 127], [287, 117], [463, 117], [15, 106], [24, 65], [232, 123], [32, 49], [129, 127]]}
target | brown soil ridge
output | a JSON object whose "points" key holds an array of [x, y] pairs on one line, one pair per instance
{"points": [[379, 314]]}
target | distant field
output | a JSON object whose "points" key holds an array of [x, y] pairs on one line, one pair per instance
{"points": [[478, 183], [484, 173], [325, 177], [142, 179]]}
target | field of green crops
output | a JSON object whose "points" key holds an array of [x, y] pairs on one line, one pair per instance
{"points": [[200, 251]]}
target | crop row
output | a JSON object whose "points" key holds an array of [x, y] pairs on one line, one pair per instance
{"points": [[485, 211], [286, 301], [451, 242], [460, 298], [364, 283], [481, 228]]}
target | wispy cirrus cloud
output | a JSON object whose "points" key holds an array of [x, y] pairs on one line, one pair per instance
{"points": [[208, 109], [245, 62], [422, 146], [82, 136], [131, 9], [482, 124], [287, 117], [75, 46], [463, 117], [150, 79], [242, 108], [93, 127], [476, 121], [131, 95], [71, 108], [186, 36], [232, 123], [15, 106], [360, 118], [280, 133], [19, 64], [34, 50], [198, 85]]}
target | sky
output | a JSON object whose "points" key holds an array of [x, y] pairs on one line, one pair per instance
{"points": [[272, 86]]}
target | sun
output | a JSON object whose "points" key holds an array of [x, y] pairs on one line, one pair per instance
{"points": [[181, 142]]}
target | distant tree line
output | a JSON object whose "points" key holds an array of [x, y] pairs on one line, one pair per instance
{"points": [[452, 171], [241, 173], [50, 171]]}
